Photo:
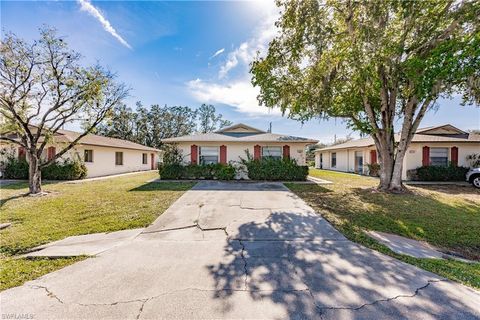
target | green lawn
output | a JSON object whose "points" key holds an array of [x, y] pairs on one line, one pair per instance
{"points": [[447, 217], [73, 209]]}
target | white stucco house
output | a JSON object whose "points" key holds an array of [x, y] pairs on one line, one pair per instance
{"points": [[231, 143], [437, 145], [102, 156]]}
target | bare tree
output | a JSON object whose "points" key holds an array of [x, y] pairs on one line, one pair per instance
{"points": [[42, 88]]}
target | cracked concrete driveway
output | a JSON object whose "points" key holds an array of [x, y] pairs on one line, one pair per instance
{"points": [[241, 250]]}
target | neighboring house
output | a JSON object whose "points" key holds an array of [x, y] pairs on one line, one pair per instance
{"points": [[437, 145], [102, 156], [232, 143]]}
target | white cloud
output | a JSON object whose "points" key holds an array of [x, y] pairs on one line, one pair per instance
{"points": [[85, 5], [239, 94], [218, 52], [246, 52], [236, 89]]}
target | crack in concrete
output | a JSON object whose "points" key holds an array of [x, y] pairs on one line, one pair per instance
{"points": [[49, 293], [317, 307], [415, 293], [245, 266], [141, 308]]}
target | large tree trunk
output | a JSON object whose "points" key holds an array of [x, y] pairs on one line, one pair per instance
{"points": [[34, 174], [391, 164]]}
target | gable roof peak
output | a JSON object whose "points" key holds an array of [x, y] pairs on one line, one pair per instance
{"points": [[240, 127], [437, 130]]}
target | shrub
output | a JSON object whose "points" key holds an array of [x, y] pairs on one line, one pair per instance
{"points": [[311, 163], [171, 154], [440, 173], [226, 172], [68, 170], [171, 171], [194, 171], [15, 169], [275, 169], [373, 169]]}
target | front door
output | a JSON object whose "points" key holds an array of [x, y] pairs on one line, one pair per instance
{"points": [[152, 161], [359, 162]]}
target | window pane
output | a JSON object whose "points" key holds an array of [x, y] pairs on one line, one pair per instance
{"points": [[88, 156], [334, 159], [439, 156], [208, 155], [144, 158], [119, 158], [272, 152]]}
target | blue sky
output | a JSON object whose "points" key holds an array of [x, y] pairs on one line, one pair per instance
{"points": [[186, 53]]}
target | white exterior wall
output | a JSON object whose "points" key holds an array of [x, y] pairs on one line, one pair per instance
{"points": [[236, 150], [412, 160], [104, 159], [414, 155]]}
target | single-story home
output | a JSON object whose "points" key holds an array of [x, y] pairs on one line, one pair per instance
{"points": [[231, 143], [102, 156], [437, 145]]}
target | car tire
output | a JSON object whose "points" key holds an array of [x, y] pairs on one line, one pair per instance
{"points": [[476, 181]]}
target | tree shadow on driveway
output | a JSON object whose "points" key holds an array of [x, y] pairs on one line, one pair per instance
{"points": [[330, 278]]}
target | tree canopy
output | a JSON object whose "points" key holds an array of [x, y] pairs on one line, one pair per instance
{"points": [[43, 87], [148, 126], [373, 63]]}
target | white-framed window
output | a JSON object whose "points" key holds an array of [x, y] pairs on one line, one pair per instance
{"points": [[88, 156], [119, 158], [208, 155], [439, 157], [334, 160], [144, 158], [274, 152]]}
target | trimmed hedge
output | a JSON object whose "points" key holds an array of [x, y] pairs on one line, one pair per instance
{"points": [[15, 169], [275, 170], [68, 170], [440, 173], [208, 171]]}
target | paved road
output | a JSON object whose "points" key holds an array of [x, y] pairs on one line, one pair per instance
{"points": [[241, 250]]}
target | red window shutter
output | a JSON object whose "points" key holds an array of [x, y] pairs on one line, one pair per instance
{"points": [[223, 154], [286, 151], [194, 154], [373, 156], [256, 152], [22, 153], [51, 151], [426, 156], [454, 156]]}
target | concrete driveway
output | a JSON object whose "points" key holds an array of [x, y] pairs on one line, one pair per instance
{"points": [[241, 250]]}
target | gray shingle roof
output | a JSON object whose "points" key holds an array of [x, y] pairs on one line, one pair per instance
{"points": [[367, 142], [252, 135]]}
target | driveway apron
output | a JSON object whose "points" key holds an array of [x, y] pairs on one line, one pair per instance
{"points": [[241, 250]]}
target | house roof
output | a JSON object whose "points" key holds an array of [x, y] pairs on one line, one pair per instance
{"points": [[96, 140], [239, 133], [67, 136], [434, 134]]}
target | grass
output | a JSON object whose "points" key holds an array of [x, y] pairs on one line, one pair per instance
{"points": [[446, 216], [73, 209]]}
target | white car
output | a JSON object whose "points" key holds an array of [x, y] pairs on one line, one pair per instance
{"points": [[473, 176]]}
